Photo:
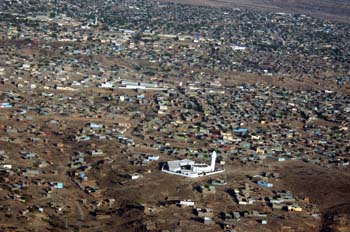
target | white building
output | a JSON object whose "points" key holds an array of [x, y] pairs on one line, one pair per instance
{"points": [[238, 48], [186, 203], [188, 168], [107, 85]]}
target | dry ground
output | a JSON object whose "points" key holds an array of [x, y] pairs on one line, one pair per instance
{"points": [[336, 10]]}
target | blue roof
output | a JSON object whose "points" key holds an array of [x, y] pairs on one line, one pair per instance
{"points": [[59, 185]]}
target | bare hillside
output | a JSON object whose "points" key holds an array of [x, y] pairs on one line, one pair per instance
{"points": [[335, 9]]}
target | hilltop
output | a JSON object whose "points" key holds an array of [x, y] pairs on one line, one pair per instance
{"points": [[338, 10]]}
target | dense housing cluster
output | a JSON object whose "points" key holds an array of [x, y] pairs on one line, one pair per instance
{"points": [[97, 98]]}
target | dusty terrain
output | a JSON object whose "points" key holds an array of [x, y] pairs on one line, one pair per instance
{"points": [[336, 10], [297, 123], [327, 188]]}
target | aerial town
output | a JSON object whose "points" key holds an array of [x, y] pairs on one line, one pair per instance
{"points": [[138, 115]]}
